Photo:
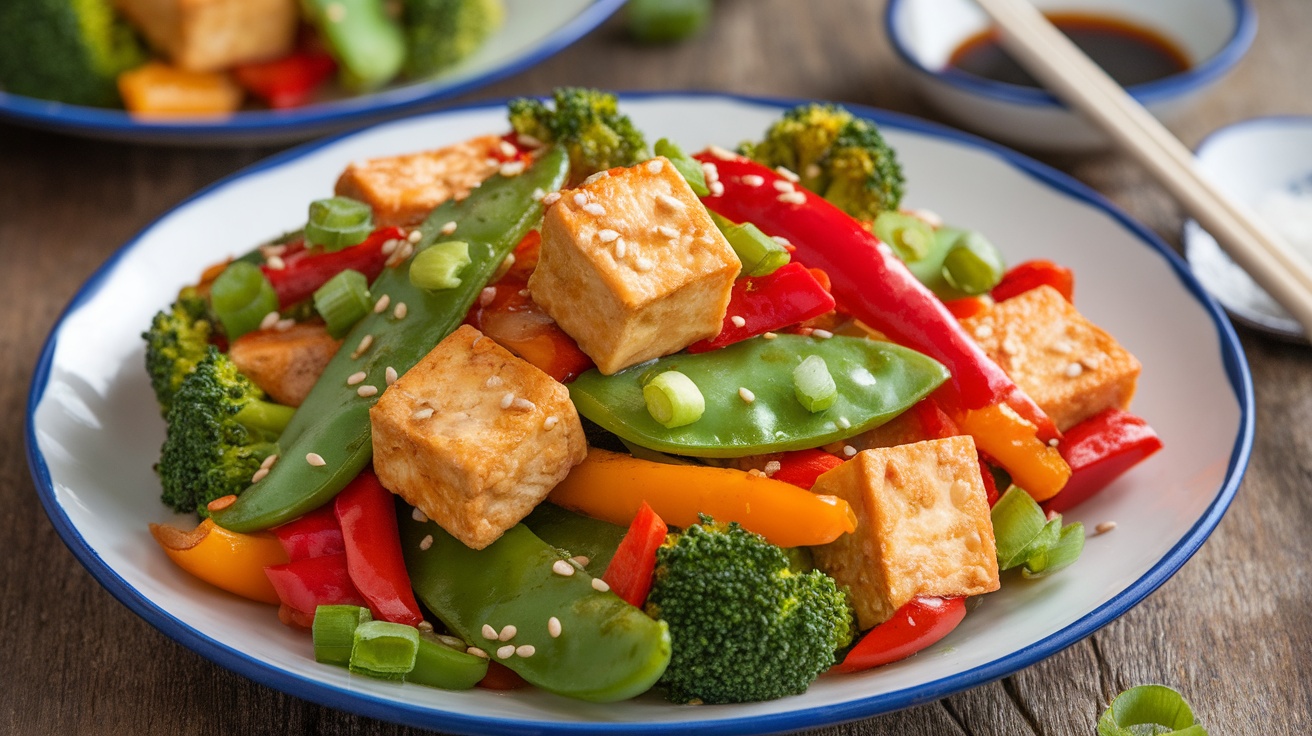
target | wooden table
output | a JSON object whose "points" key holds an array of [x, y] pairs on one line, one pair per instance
{"points": [[1231, 630]]}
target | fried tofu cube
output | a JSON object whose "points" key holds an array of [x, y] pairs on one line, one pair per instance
{"points": [[285, 363], [923, 527], [403, 189], [475, 437], [212, 35], [1068, 365], [632, 266]]}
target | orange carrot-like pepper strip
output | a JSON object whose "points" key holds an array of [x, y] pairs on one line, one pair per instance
{"points": [[612, 487], [225, 559], [1009, 439]]}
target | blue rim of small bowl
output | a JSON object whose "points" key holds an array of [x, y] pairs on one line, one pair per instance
{"points": [[358, 109], [1236, 367], [1176, 85]]}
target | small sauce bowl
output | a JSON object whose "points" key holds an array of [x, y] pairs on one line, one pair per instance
{"points": [[1212, 34]]}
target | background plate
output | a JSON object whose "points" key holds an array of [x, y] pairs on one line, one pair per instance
{"points": [[94, 431]]}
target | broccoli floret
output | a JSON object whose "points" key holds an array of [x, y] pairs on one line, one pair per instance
{"points": [[175, 343], [220, 429], [440, 33], [839, 156], [744, 626], [588, 123], [65, 50]]}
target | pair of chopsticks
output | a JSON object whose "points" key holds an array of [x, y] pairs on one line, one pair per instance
{"points": [[1051, 57]]}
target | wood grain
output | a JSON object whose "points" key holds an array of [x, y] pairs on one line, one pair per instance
{"points": [[1232, 630]]}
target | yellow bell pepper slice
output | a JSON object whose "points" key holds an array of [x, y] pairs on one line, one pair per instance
{"points": [[612, 486], [1010, 439], [225, 559]]}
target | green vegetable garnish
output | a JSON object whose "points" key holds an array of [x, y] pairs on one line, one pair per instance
{"points": [[438, 266], [973, 265], [1149, 710], [338, 222], [910, 237], [342, 301], [673, 399], [1026, 537], [760, 254], [688, 167], [813, 385], [384, 649], [333, 632]]}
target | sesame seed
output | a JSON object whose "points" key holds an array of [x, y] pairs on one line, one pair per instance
{"points": [[1010, 345], [553, 627], [580, 199], [489, 632], [415, 236], [581, 560], [486, 296], [422, 414], [259, 475], [643, 264], [221, 502], [592, 208], [269, 461], [508, 632], [283, 325], [848, 450], [390, 375], [711, 171], [738, 321], [1054, 442], [600, 585], [276, 263], [365, 342], [753, 180], [355, 378], [770, 335], [792, 198], [621, 248], [667, 231], [551, 198], [1062, 347], [506, 652], [405, 250], [315, 459], [783, 185], [1074, 370], [772, 467], [426, 626], [507, 400], [983, 332], [1105, 527], [549, 423], [787, 173], [418, 515], [529, 141], [746, 394], [756, 473], [514, 168], [336, 12], [270, 251], [476, 652], [655, 165], [822, 334], [525, 650], [389, 246], [426, 542], [269, 320], [400, 310], [507, 149], [563, 568], [380, 306], [669, 201], [722, 154], [367, 391], [844, 423], [522, 404], [606, 235], [523, 292], [538, 194], [716, 188], [781, 240], [596, 177], [492, 381]]}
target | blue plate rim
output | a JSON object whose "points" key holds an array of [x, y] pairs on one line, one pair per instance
{"points": [[1232, 355], [86, 120]]}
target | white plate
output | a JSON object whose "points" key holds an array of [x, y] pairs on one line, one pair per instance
{"points": [[533, 31], [93, 429]]}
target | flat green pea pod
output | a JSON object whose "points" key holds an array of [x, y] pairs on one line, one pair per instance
{"points": [[570, 637], [751, 407], [579, 535], [438, 664], [328, 441]]}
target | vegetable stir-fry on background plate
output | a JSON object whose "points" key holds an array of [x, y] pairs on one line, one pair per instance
{"points": [[94, 430]]}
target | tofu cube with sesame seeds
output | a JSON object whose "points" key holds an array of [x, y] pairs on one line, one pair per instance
{"points": [[402, 190], [1068, 365], [923, 527], [632, 266], [474, 437], [213, 35]]}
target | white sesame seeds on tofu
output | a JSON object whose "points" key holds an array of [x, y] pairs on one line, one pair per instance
{"points": [[522, 404], [1011, 345], [422, 414], [270, 320], [426, 542], [550, 423], [1073, 370], [580, 199], [506, 652], [315, 459], [418, 515], [746, 394], [667, 231], [525, 650], [655, 165], [592, 208], [792, 198], [668, 201], [738, 321], [1061, 347], [553, 627], [643, 264], [493, 381], [551, 198], [562, 568], [621, 249], [600, 585], [489, 633], [507, 632], [283, 325], [753, 180], [598, 176], [787, 173], [367, 391], [849, 451], [606, 235], [507, 400], [983, 332]]}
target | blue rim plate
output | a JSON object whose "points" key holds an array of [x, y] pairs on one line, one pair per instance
{"points": [[93, 430], [533, 31]]}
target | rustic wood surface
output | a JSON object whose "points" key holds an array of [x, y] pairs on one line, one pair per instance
{"points": [[1232, 630]]}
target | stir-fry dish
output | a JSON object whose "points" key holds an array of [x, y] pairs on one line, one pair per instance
{"points": [[565, 409]]}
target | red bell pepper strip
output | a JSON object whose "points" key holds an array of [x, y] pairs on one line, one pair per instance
{"points": [[306, 269], [1025, 276], [966, 306], [934, 422], [289, 81], [501, 677], [630, 570], [1099, 450], [919, 623], [802, 467], [367, 513], [990, 483], [306, 584], [763, 303], [314, 535]]}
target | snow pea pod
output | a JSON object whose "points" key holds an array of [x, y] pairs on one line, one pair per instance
{"points": [[328, 441], [876, 381]]}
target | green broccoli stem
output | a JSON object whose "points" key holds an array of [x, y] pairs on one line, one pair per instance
{"points": [[265, 416]]}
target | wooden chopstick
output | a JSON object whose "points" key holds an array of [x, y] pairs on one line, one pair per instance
{"points": [[1056, 62]]}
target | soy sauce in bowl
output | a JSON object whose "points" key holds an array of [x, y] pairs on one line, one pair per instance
{"points": [[1131, 54]]}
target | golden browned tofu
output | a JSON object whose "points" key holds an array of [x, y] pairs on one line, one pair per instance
{"points": [[211, 35], [475, 437], [403, 189], [633, 267], [1070, 367], [285, 363], [923, 527]]}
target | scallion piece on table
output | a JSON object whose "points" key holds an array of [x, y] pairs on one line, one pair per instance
{"points": [[333, 632], [338, 222], [439, 265], [760, 254], [813, 385], [973, 265], [384, 649], [342, 301], [673, 399], [1065, 551], [688, 167], [1149, 709], [909, 236], [241, 297]]}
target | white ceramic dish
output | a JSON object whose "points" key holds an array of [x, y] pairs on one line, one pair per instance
{"points": [[1214, 34], [1250, 161], [533, 31], [94, 431]]}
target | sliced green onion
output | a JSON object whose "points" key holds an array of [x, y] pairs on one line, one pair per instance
{"points": [[384, 649], [667, 21], [1152, 710], [1017, 522], [1060, 554], [343, 300], [973, 265], [242, 296], [687, 166], [673, 399], [813, 385], [338, 222], [334, 632], [760, 254], [910, 237], [438, 664], [439, 265]]}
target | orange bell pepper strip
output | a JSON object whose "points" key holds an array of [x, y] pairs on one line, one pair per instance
{"points": [[157, 89], [1009, 439], [225, 559], [612, 487]]}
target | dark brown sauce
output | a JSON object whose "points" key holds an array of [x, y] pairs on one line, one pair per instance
{"points": [[1131, 54]]}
